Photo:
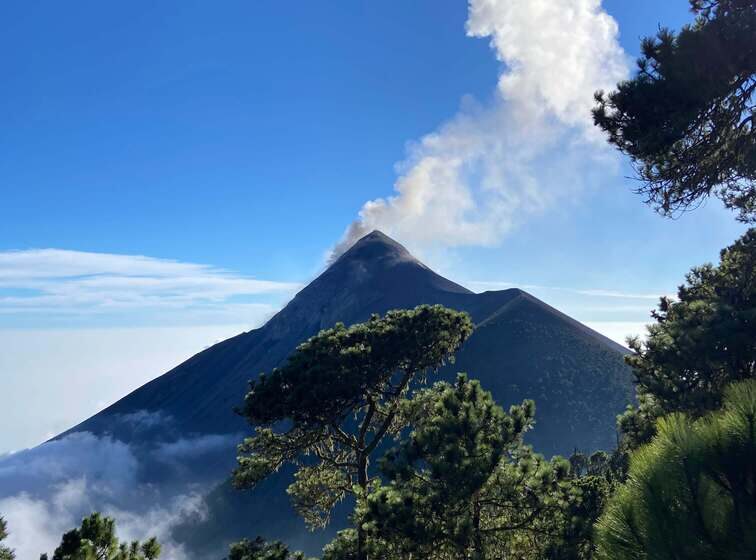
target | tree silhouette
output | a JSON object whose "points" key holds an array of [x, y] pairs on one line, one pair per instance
{"points": [[687, 118]]}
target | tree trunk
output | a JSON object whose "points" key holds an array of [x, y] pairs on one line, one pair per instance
{"points": [[477, 538], [362, 481]]}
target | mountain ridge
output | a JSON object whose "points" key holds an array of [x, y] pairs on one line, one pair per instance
{"points": [[375, 275], [520, 348]]}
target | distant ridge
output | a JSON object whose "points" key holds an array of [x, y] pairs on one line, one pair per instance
{"points": [[577, 324]]}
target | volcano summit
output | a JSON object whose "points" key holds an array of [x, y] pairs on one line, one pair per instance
{"points": [[521, 348]]}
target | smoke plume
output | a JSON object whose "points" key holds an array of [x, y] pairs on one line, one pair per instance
{"points": [[492, 165]]}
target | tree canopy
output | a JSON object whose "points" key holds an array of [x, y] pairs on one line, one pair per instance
{"points": [[462, 484], [258, 549], [691, 492], [330, 406], [700, 342], [687, 117], [96, 540], [5, 552]]}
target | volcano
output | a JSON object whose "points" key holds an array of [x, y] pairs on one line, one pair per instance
{"points": [[521, 348]]}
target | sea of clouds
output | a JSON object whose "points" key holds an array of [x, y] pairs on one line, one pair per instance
{"points": [[150, 485]]}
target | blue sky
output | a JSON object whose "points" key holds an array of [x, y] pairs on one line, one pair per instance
{"points": [[170, 173]]}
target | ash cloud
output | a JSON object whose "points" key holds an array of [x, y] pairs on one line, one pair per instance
{"points": [[494, 165]]}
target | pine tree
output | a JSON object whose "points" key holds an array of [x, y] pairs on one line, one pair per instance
{"points": [[699, 343], [335, 401], [5, 552], [687, 118], [462, 484], [258, 549], [96, 539], [691, 492]]}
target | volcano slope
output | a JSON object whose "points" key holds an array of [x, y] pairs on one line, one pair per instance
{"points": [[521, 348]]}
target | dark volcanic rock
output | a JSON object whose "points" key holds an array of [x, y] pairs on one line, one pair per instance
{"points": [[521, 348]]}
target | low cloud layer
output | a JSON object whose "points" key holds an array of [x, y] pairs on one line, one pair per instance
{"points": [[67, 375], [56, 283], [144, 485], [494, 164]]}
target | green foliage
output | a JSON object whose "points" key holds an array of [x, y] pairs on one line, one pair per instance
{"points": [[340, 369], [574, 538], [460, 434], [598, 463], [593, 478], [461, 484], [258, 549], [699, 343], [691, 492], [687, 118], [331, 405], [96, 540], [525, 501], [5, 552], [344, 547], [638, 423]]}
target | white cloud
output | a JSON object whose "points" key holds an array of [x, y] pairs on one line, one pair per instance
{"points": [[37, 524], [47, 490], [557, 53], [56, 282], [491, 166]]}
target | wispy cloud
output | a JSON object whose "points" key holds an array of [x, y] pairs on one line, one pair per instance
{"points": [[483, 285], [61, 282], [620, 294]]}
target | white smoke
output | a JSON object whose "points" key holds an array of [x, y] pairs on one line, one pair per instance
{"points": [[491, 166]]}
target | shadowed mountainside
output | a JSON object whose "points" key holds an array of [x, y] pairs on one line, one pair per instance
{"points": [[521, 348]]}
